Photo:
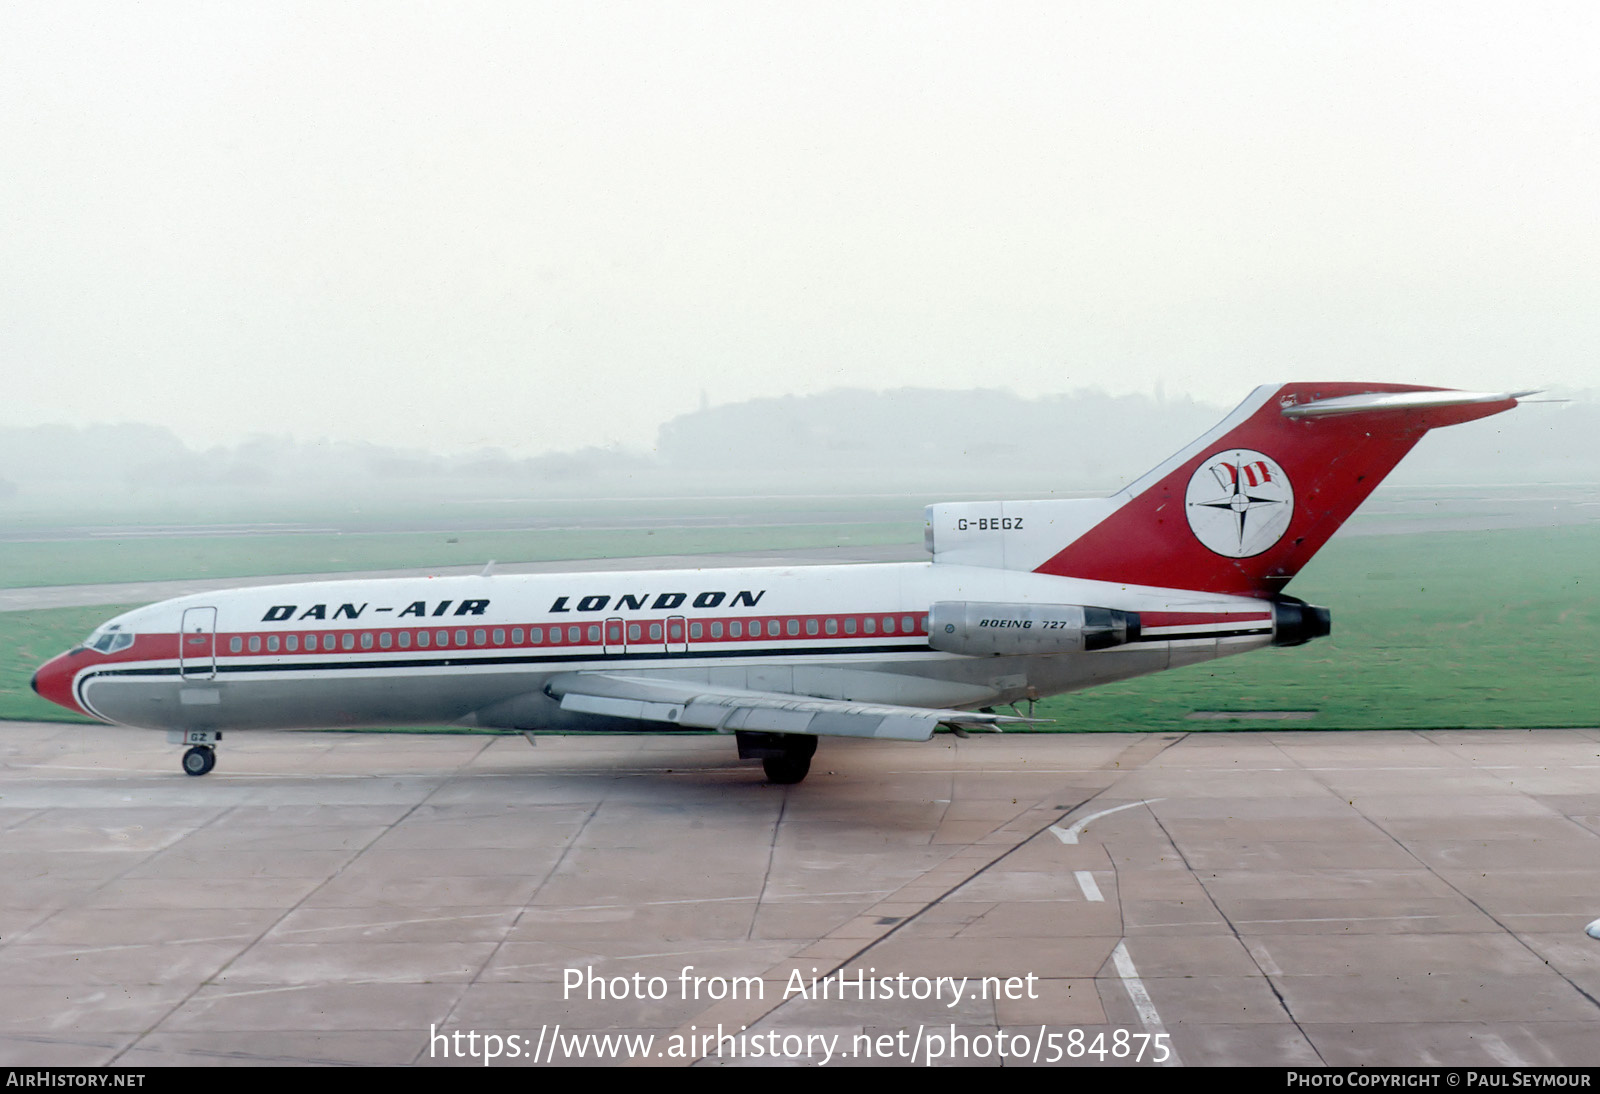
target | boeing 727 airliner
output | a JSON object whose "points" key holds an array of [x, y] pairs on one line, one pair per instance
{"points": [[1020, 600]]}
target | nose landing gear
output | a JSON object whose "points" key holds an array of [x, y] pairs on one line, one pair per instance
{"points": [[199, 760], [202, 756]]}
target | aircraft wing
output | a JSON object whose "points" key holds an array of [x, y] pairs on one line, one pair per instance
{"points": [[709, 706]]}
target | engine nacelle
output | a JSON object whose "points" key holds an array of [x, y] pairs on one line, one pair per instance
{"points": [[980, 630], [1294, 622]]}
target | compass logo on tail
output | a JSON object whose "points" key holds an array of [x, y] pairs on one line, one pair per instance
{"points": [[1239, 502]]}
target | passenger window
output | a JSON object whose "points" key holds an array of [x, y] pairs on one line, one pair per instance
{"points": [[574, 635], [811, 626], [461, 638], [655, 632], [423, 638], [831, 626], [906, 624], [696, 631], [849, 626], [793, 627], [516, 636], [888, 624], [555, 635], [716, 630], [366, 640], [869, 626], [735, 629], [235, 644], [499, 637], [272, 643], [255, 643], [405, 640], [675, 632], [536, 635], [385, 639], [442, 638], [634, 633], [773, 628], [479, 637], [349, 640]]}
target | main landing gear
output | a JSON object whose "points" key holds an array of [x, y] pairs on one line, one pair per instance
{"points": [[785, 757], [202, 755]]}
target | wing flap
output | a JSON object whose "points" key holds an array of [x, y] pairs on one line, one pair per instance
{"points": [[706, 706], [621, 708]]}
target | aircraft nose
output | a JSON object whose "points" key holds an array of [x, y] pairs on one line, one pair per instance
{"points": [[53, 681]]}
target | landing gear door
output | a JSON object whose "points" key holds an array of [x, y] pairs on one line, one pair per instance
{"points": [[197, 644]]}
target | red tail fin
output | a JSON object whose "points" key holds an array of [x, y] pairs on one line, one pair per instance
{"points": [[1246, 506]]}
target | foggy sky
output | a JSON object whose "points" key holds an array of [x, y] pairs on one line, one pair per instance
{"points": [[544, 227]]}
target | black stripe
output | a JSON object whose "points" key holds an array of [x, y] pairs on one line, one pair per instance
{"points": [[1200, 634]]}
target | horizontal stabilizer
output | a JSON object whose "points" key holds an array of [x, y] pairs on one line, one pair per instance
{"points": [[706, 706], [1402, 400]]}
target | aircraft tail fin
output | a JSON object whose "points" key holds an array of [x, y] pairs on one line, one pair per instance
{"points": [[1239, 511]]}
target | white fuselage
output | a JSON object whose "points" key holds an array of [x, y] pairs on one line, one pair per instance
{"points": [[479, 650]]}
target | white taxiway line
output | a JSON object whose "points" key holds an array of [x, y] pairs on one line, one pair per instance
{"points": [[1141, 999], [1318, 919], [391, 923], [1091, 891], [1070, 835]]}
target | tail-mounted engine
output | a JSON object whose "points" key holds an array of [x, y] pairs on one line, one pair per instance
{"points": [[1294, 622], [980, 630]]}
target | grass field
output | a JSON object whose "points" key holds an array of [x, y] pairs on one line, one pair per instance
{"points": [[1431, 630]]}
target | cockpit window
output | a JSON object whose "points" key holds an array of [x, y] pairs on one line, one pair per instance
{"points": [[109, 640]]}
